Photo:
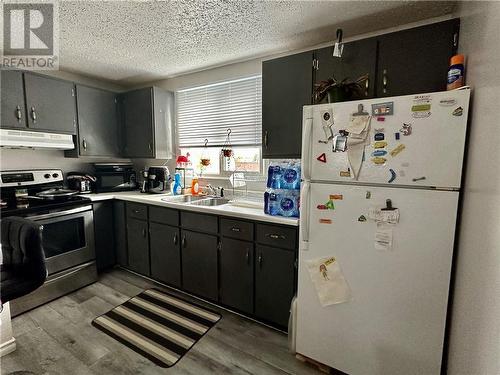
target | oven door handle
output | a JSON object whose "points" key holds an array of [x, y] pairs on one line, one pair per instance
{"points": [[60, 213]]}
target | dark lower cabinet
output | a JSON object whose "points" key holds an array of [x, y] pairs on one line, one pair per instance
{"points": [[274, 283], [104, 235], [236, 274], [199, 264], [164, 242], [138, 246]]}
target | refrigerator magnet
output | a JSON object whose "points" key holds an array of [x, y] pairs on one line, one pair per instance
{"points": [[325, 221], [379, 153], [321, 207], [322, 158], [379, 136], [338, 197], [345, 173], [329, 205], [406, 129], [362, 218], [397, 150], [393, 175], [339, 143], [396, 136], [458, 111], [368, 195], [378, 160], [380, 144], [448, 102]]}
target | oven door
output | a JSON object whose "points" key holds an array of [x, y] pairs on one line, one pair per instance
{"points": [[68, 237]]}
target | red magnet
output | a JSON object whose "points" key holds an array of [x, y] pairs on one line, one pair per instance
{"points": [[380, 118], [322, 158]]}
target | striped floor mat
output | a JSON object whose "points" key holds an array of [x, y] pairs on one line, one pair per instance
{"points": [[157, 325]]}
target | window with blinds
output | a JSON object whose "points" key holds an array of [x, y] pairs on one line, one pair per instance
{"points": [[209, 111]]}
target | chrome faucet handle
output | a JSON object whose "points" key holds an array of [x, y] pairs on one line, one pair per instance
{"points": [[212, 190]]}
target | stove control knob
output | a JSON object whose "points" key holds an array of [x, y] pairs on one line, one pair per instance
{"points": [[55, 175], [46, 175]]}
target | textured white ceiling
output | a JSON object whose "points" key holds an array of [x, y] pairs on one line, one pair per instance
{"points": [[131, 42]]}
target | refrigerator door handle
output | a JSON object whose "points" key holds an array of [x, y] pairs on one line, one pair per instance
{"points": [[304, 211], [306, 149]]}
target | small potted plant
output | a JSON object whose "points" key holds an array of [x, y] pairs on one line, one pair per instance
{"points": [[227, 149], [338, 91]]}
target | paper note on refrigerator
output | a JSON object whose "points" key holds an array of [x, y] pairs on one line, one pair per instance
{"points": [[383, 237], [329, 281], [385, 216]]}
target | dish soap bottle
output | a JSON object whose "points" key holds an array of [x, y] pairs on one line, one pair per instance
{"points": [[177, 184], [195, 188], [456, 72]]}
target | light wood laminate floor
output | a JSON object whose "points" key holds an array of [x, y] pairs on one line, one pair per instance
{"points": [[57, 338]]}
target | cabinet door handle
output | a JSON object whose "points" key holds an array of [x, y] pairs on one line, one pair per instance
{"points": [[175, 239], [183, 242], [367, 86], [33, 114], [144, 232], [18, 113], [247, 256], [84, 144], [265, 139], [260, 259], [276, 236], [385, 81], [236, 229]]}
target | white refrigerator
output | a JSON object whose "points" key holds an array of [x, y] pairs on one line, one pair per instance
{"points": [[387, 218]]}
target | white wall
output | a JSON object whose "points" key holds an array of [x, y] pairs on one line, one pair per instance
{"points": [[475, 328], [29, 159]]}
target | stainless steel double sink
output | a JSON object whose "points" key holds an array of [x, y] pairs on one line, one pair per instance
{"points": [[197, 201]]}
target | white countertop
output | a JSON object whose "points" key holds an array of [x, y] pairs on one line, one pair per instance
{"points": [[224, 210]]}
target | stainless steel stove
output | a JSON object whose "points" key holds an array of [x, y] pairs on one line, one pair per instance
{"points": [[68, 230]]}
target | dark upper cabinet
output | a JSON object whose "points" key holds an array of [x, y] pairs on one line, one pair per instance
{"points": [[104, 234], [50, 104], [147, 118], [138, 245], [98, 132], [236, 274], [199, 264], [274, 283], [286, 88], [358, 58], [416, 60], [13, 113], [164, 243]]}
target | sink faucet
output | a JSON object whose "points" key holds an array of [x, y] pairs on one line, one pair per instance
{"points": [[217, 192]]}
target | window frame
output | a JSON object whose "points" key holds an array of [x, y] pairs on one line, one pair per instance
{"points": [[222, 172]]}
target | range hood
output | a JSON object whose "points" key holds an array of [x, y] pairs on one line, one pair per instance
{"points": [[10, 138]]}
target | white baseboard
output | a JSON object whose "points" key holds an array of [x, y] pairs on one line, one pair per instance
{"points": [[8, 347]]}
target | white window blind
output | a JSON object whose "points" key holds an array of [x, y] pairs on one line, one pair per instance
{"points": [[208, 111]]}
